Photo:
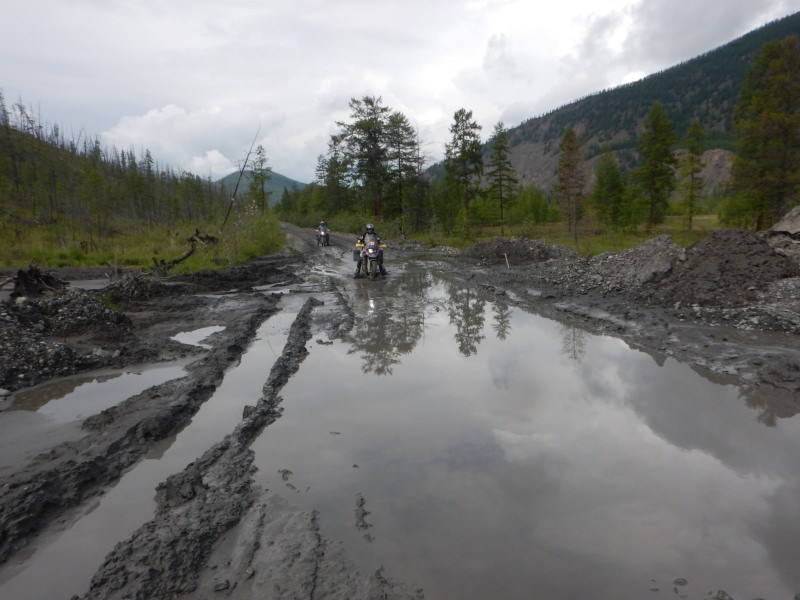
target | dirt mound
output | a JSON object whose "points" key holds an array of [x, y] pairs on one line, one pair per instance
{"points": [[784, 236], [727, 269], [256, 272], [631, 269], [513, 251], [32, 329], [730, 267]]}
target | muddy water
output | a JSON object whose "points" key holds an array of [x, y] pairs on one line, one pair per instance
{"points": [[69, 558], [481, 452]]}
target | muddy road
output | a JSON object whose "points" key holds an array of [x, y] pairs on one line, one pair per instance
{"points": [[509, 421]]}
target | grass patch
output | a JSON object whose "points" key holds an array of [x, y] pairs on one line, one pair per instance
{"points": [[136, 247], [593, 240]]}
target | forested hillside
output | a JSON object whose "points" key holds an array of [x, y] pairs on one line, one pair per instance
{"points": [[70, 201], [86, 191], [668, 145], [704, 88]]}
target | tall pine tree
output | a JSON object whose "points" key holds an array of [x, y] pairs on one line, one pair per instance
{"points": [[463, 159], [365, 140], [690, 182], [501, 173], [608, 195], [571, 180], [260, 175], [656, 174], [766, 168]]}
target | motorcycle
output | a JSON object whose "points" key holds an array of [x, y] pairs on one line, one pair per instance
{"points": [[369, 252], [323, 237]]}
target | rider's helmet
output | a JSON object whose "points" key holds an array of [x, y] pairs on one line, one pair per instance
{"points": [[322, 222], [370, 227]]}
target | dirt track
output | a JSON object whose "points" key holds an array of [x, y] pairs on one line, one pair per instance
{"points": [[730, 305]]}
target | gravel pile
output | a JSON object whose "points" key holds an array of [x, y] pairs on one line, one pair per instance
{"points": [[32, 331], [514, 251], [630, 270], [731, 276], [729, 268]]}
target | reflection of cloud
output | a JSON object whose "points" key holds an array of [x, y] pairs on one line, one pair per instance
{"points": [[630, 498], [614, 467], [518, 446], [780, 529], [693, 413]]}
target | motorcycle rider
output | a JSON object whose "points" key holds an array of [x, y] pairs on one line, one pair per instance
{"points": [[321, 228], [369, 234]]}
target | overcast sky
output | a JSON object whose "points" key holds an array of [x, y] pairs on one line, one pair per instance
{"points": [[194, 81]]}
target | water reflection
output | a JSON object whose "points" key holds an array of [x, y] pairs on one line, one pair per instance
{"points": [[595, 471], [600, 471], [34, 398], [501, 323], [573, 342], [391, 317], [79, 396], [465, 308], [390, 320], [770, 403]]}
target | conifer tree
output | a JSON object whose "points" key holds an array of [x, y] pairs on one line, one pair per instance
{"points": [[502, 176], [463, 159], [401, 156], [766, 168], [571, 180], [690, 182], [608, 195], [260, 175], [366, 146], [656, 175]]}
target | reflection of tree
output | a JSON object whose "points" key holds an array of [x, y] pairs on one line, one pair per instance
{"points": [[771, 403], [465, 309], [573, 342], [389, 321], [502, 320]]}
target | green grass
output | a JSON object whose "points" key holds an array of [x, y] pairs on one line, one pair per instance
{"points": [[137, 248], [591, 240], [249, 235]]}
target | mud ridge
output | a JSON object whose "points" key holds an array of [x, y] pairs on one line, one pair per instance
{"points": [[280, 552], [33, 497]]}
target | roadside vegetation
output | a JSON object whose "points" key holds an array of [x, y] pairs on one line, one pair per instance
{"points": [[66, 201], [375, 170]]}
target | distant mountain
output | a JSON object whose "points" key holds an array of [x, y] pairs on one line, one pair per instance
{"points": [[705, 88], [275, 186]]}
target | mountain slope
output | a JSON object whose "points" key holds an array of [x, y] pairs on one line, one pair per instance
{"points": [[274, 187], [705, 88]]}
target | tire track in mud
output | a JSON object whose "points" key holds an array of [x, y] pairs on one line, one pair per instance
{"points": [[38, 493], [215, 532]]}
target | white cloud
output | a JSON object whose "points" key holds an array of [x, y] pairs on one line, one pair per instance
{"points": [[194, 81]]}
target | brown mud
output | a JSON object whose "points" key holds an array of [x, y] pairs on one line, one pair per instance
{"points": [[729, 305]]}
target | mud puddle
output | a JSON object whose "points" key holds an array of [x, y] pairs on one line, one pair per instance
{"points": [[478, 451], [76, 397], [80, 396], [61, 563]]}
